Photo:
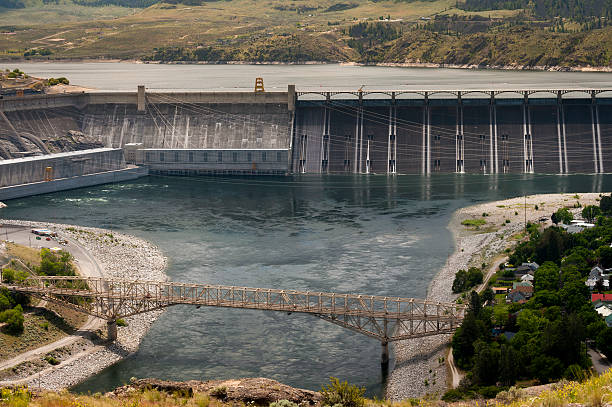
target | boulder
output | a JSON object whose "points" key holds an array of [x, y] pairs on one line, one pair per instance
{"points": [[259, 390]]}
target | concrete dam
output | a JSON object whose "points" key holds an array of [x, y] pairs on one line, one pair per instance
{"points": [[382, 132]]}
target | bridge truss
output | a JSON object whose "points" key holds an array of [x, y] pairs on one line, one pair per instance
{"points": [[387, 319]]}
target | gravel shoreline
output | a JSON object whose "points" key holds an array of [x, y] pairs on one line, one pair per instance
{"points": [[120, 256], [420, 364]]}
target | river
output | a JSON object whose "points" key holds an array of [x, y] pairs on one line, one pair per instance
{"points": [[349, 234], [127, 76]]}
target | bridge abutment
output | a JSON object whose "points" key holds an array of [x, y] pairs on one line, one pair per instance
{"points": [[111, 329]]}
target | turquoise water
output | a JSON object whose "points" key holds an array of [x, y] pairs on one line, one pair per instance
{"points": [[349, 234]]}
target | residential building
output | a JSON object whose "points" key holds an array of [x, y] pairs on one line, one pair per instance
{"points": [[601, 297]]}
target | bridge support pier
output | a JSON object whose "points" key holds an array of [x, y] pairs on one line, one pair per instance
{"points": [[384, 360], [111, 329]]}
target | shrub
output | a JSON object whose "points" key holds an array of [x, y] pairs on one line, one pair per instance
{"points": [[51, 360], [283, 403], [219, 392], [342, 393], [15, 397], [201, 400], [13, 276], [121, 322], [473, 222], [456, 395], [13, 319], [52, 264], [591, 212]]}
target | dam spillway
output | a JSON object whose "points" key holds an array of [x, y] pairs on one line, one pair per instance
{"points": [[382, 132]]}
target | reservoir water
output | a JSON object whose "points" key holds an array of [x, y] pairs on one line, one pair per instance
{"points": [[127, 76], [349, 234]]}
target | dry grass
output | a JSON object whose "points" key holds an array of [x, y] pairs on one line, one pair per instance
{"points": [[26, 254], [594, 392], [40, 328]]}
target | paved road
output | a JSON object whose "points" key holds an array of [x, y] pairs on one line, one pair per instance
{"points": [[456, 374], [600, 363], [88, 267]]}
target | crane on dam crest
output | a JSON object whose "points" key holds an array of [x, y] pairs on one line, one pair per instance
{"points": [[387, 319]]}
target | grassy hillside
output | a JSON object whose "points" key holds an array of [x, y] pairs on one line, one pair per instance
{"points": [[436, 31], [596, 391]]}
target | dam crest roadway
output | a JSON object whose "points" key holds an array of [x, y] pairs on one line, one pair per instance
{"points": [[386, 319]]}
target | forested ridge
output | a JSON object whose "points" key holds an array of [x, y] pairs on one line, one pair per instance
{"points": [[545, 8]]}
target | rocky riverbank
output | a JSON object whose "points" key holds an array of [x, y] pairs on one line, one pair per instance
{"points": [[119, 256], [420, 364]]}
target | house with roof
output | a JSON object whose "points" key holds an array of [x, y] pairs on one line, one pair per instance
{"points": [[520, 294], [604, 310], [500, 290], [522, 270], [601, 297], [528, 277], [577, 226], [527, 290], [522, 284], [532, 265], [592, 282], [516, 296], [596, 275], [596, 272]]}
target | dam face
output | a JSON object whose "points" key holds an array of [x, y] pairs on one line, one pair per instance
{"points": [[558, 132], [500, 135]]}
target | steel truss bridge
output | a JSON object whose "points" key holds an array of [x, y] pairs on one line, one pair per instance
{"points": [[387, 319]]}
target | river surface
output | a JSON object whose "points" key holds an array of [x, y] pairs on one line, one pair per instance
{"points": [[348, 234], [127, 76]]}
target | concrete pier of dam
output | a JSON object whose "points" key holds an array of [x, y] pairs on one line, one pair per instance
{"points": [[379, 132], [42, 174]]}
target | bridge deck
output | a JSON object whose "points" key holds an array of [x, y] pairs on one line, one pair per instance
{"points": [[384, 318]]}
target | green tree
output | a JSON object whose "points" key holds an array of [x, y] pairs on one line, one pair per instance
{"points": [[549, 246], [574, 295], [460, 281], [591, 212], [546, 277], [604, 342], [55, 264], [508, 365], [486, 363], [546, 368], [487, 296], [605, 204], [604, 254], [10, 276], [564, 215], [13, 319]]}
